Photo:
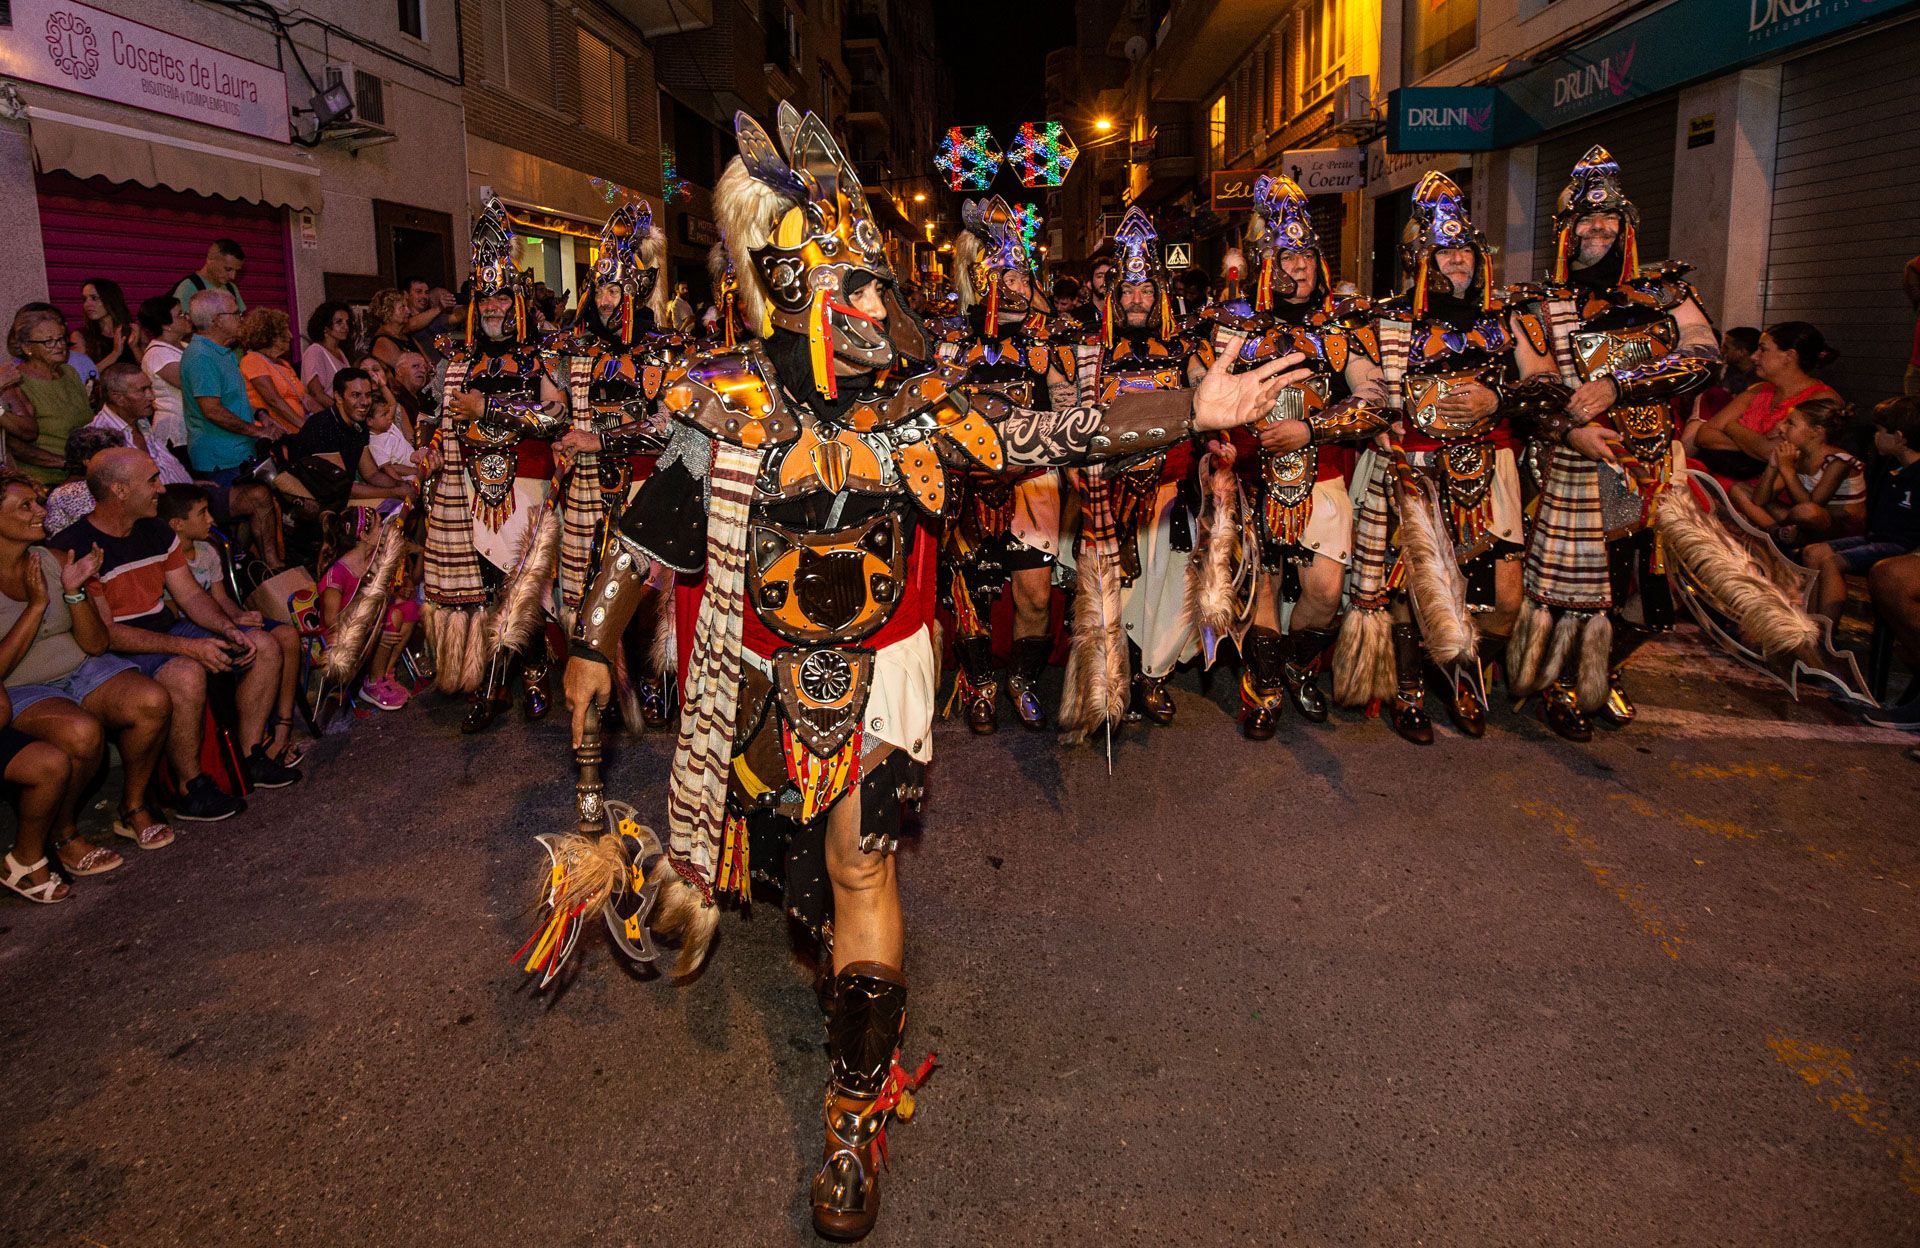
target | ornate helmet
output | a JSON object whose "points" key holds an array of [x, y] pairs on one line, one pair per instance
{"points": [[990, 247], [631, 248], [494, 272], [1281, 224], [1595, 187], [1136, 259], [799, 230], [1439, 223]]}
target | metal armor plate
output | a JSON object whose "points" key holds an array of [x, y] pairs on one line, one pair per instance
{"points": [[1422, 405], [1289, 476], [823, 694], [1601, 353], [842, 586]]}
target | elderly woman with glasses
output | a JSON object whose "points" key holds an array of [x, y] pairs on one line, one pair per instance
{"points": [[53, 389]]}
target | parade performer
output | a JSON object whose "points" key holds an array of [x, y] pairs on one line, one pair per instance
{"points": [[1450, 480], [798, 500], [615, 360], [1131, 623], [492, 541], [1007, 526], [1623, 343], [1303, 514]]}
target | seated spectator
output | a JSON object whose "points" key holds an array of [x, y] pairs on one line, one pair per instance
{"points": [[1810, 488], [144, 564], [108, 334], [413, 387], [1893, 509], [339, 436], [329, 330], [1895, 586], [1732, 443], [39, 774], [337, 589], [65, 689], [54, 389], [127, 413], [1737, 346], [275, 390], [224, 442], [72, 500], [185, 509], [164, 321]]}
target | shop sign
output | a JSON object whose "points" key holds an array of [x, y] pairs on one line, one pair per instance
{"points": [[1700, 130], [1326, 170], [1233, 189], [1441, 119], [92, 52], [309, 230], [698, 231], [1396, 171]]}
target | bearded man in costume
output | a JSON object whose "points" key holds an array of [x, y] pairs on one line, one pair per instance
{"points": [[1304, 515], [799, 501], [615, 360], [1623, 343], [1450, 481], [1131, 623], [1008, 526], [491, 537]]}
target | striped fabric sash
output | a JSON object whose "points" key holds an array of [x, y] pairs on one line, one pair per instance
{"points": [[703, 755], [452, 565], [1396, 350], [1566, 562], [582, 504], [1562, 317], [1372, 535]]}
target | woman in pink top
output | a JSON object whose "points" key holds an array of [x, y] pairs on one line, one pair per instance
{"points": [[1733, 443]]}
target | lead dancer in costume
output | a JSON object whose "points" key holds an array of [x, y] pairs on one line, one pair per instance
{"points": [[615, 361], [1623, 344], [1130, 609], [487, 513], [798, 500], [1008, 525], [1304, 465], [1451, 480]]}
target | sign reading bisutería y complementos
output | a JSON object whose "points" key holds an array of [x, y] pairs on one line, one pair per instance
{"points": [[92, 52]]}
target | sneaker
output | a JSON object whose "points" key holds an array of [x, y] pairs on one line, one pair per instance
{"points": [[1906, 718], [203, 801], [263, 772], [384, 694]]}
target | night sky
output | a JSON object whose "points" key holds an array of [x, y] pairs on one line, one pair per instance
{"points": [[997, 51]]}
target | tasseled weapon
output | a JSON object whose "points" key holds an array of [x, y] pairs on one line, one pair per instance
{"points": [[523, 600], [1767, 618], [354, 631], [1435, 584]]}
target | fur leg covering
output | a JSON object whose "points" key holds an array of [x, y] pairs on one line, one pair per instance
{"points": [[1435, 584], [1527, 651], [446, 634], [1566, 631], [474, 650], [1767, 618], [1363, 658], [1214, 573], [1596, 662], [1097, 677], [523, 600]]}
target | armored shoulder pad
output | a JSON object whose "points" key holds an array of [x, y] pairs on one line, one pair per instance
{"points": [[732, 395], [1535, 330]]}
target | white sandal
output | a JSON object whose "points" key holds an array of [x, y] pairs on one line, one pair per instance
{"points": [[41, 893]]}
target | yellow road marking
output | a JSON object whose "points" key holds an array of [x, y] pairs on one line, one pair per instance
{"points": [[1666, 929], [1829, 1070]]}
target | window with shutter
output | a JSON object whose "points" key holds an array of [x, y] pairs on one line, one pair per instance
{"points": [[529, 57], [603, 80]]}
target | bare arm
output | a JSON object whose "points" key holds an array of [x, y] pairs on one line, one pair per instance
{"points": [[196, 604], [217, 414]]}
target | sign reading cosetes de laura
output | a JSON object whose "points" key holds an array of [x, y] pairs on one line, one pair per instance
{"points": [[1684, 42], [1233, 189], [92, 52]]}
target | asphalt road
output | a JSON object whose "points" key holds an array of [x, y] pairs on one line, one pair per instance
{"points": [[1330, 989]]}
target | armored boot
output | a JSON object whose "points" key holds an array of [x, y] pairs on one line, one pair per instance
{"points": [[978, 686], [1560, 704], [652, 693], [1408, 711], [1023, 686], [866, 1013], [534, 677], [1467, 699], [1260, 683], [1304, 648], [494, 696], [1151, 699], [1618, 710]]}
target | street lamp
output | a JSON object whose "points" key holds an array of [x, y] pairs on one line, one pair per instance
{"points": [[919, 197], [1103, 124]]}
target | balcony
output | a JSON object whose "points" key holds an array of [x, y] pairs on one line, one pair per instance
{"points": [[1165, 164], [869, 104], [657, 19], [1204, 38], [866, 24]]}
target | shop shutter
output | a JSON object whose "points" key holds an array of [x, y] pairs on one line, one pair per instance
{"points": [[147, 239], [1641, 139], [1844, 221]]}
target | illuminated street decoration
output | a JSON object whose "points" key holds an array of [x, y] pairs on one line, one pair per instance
{"points": [[672, 185], [1026, 219], [970, 158], [1042, 153]]}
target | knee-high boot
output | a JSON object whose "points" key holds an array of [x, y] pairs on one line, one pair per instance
{"points": [[1023, 686], [866, 1016], [1408, 712], [1261, 680], [1304, 648]]}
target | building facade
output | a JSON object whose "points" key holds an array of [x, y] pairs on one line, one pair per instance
{"points": [[135, 132]]}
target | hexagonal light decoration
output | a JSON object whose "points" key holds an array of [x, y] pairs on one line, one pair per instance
{"points": [[970, 157], [1042, 153]]}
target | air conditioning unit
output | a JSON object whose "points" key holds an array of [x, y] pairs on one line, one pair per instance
{"points": [[1353, 101], [369, 120]]}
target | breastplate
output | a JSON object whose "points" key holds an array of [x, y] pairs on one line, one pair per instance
{"points": [[1420, 402], [832, 587], [1603, 352]]}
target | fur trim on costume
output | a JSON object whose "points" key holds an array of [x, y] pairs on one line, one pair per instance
{"points": [[626, 695], [1363, 667], [1528, 647], [474, 653], [663, 656], [1566, 630], [360, 622], [966, 253], [1435, 584], [1596, 657], [522, 605], [1213, 579], [747, 210], [1767, 619], [682, 915], [1097, 686], [447, 634], [652, 253]]}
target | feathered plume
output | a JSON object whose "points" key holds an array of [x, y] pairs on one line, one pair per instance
{"points": [[1096, 689], [966, 253], [1435, 583], [523, 599], [747, 210], [1220, 566], [1363, 668], [1767, 618], [356, 625]]}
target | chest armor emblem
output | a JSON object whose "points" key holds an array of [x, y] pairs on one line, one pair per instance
{"points": [[812, 588]]}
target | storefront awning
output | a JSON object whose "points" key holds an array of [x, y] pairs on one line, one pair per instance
{"points": [[88, 147]]}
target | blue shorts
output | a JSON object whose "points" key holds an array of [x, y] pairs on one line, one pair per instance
{"points": [[1858, 553], [151, 664], [76, 684]]}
